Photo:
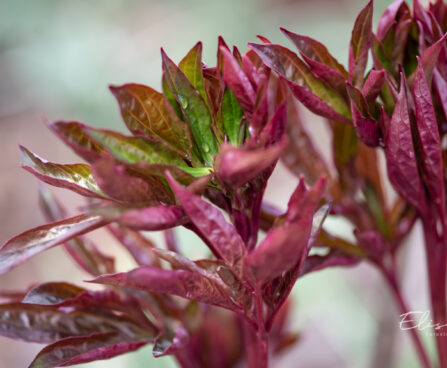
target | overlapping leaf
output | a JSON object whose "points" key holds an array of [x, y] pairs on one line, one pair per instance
{"points": [[77, 177], [24, 246]]}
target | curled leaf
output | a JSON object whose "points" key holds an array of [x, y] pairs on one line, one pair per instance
{"points": [[77, 177]]}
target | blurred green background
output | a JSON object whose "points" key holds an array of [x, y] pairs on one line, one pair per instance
{"points": [[57, 58]]}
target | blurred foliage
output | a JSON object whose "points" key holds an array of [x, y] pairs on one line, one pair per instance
{"points": [[59, 56]]}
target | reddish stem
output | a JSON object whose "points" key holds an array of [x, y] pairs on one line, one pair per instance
{"points": [[435, 246], [390, 276], [256, 340]]}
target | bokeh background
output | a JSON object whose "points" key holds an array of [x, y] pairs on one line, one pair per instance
{"points": [[57, 58]]}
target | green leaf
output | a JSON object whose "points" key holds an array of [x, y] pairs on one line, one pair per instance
{"points": [[77, 177], [232, 116], [344, 143], [144, 111], [196, 172], [191, 66], [134, 149], [193, 106]]}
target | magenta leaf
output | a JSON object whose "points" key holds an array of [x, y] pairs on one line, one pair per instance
{"points": [[78, 350], [150, 218], [84, 252], [316, 104], [52, 293], [400, 155], [304, 202], [316, 51], [373, 85], [301, 156], [47, 324], [388, 19], [137, 244], [309, 89], [429, 58], [331, 77], [429, 138], [282, 248], [26, 245], [238, 81], [221, 236], [373, 243], [118, 183], [237, 166], [288, 244], [366, 127], [189, 285]]}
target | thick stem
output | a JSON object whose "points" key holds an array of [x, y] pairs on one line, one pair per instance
{"points": [[261, 333], [435, 246], [420, 350], [256, 340]]}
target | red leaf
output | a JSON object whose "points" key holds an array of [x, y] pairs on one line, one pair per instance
{"points": [[281, 249], [373, 243], [182, 283], [238, 82], [52, 293], [365, 126], [221, 236], [26, 245], [237, 166], [78, 350], [429, 57], [47, 324], [316, 104], [73, 134], [332, 77], [373, 85], [429, 138], [85, 253], [388, 19], [76, 177], [360, 44], [116, 181], [400, 155], [286, 246], [301, 156], [316, 51], [152, 218], [137, 244], [309, 89]]}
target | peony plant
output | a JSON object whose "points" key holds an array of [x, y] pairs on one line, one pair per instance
{"points": [[200, 155]]}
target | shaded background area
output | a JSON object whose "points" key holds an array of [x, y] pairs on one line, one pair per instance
{"points": [[57, 59]]}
